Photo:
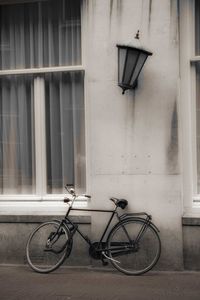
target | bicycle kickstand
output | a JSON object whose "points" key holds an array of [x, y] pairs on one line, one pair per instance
{"points": [[104, 263]]}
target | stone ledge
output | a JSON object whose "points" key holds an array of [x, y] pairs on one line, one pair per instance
{"points": [[39, 219], [191, 221]]}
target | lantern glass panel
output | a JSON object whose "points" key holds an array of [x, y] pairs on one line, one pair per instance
{"points": [[141, 60], [131, 61], [122, 58]]}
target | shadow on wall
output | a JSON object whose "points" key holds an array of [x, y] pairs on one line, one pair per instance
{"points": [[172, 151]]}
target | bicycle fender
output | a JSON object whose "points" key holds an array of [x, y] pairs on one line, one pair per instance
{"points": [[56, 220]]}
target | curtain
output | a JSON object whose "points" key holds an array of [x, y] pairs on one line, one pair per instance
{"points": [[64, 102], [197, 52], [40, 34], [17, 172]]}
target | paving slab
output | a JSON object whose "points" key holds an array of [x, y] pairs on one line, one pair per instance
{"points": [[21, 283]]}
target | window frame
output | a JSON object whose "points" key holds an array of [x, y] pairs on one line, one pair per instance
{"points": [[40, 149], [187, 107]]}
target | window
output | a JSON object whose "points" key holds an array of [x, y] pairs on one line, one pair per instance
{"points": [[189, 26], [42, 145]]}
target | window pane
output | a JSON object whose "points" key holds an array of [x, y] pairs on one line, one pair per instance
{"points": [[198, 123], [40, 34], [197, 27], [17, 171], [64, 101]]}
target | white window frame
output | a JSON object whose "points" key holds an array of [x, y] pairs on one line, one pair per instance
{"points": [[191, 200], [46, 203]]}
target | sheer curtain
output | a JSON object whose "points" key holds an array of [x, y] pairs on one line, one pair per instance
{"points": [[40, 34], [17, 173], [197, 52], [198, 124], [197, 27]]}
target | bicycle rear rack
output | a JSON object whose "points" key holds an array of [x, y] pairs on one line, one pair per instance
{"points": [[124, 216]]}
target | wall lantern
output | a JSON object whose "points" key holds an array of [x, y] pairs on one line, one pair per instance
{"points": [[130, 63]]}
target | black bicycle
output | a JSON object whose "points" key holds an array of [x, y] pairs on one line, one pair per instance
{"points": [[132, 245]]}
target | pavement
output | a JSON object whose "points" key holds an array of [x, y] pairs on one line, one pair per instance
{"points": [[21, 283]]}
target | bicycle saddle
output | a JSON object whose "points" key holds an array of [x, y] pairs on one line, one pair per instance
{"points": [[122, 203]]}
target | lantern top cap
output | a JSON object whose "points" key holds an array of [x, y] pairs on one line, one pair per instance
{"points": [[129, 46]]}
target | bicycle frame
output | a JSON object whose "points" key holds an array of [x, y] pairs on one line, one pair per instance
{"points": [[124, 217], [68, 221], [114, 212]]}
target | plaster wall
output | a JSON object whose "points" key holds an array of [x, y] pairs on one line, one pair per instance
{"points": [[132, 139]]}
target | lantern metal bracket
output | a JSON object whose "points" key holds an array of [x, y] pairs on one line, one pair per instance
{"points": [[124, 88]]}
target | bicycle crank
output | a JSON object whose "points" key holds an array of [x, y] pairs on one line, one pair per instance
{"points": [[110, 258]]}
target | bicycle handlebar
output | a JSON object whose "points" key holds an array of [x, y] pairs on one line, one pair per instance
{"points": [[87, 196], [72, 192]]}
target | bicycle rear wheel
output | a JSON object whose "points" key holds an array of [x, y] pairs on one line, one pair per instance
{"points": [[48, 246], [130, 256]]}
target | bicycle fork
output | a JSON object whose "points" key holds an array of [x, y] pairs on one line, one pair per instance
{"points": [[143, 229]]}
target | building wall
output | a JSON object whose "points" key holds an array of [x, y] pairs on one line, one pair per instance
{"points": [[133, 139]]}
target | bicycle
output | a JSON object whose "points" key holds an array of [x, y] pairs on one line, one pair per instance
{"points": [[132, 245]]}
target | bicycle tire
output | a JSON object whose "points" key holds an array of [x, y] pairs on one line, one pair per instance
{"points": [[48, 246], [133, 258]]}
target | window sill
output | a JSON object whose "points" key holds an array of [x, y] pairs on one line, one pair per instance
{"points": [[191, 219], [39, 207]]}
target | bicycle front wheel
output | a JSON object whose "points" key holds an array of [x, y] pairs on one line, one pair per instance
{"points": [[48, 246], [130, 251]]}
